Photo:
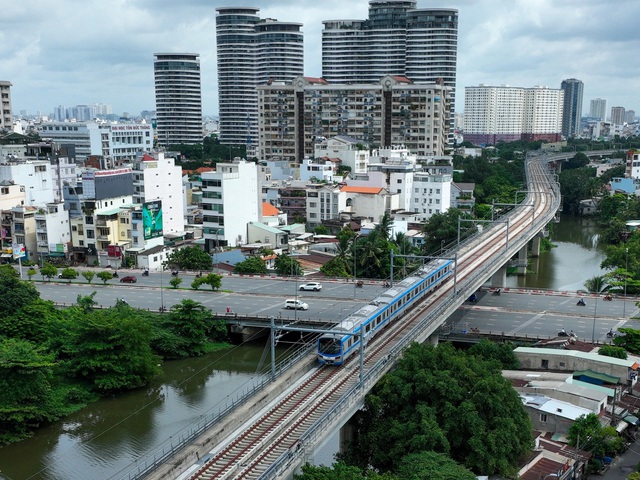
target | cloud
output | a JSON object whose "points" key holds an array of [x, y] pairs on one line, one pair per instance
{"points": [[73, 52]]}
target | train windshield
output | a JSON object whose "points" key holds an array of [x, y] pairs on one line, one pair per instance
{"points": [[329, 345]]}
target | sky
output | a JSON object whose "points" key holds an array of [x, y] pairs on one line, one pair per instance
{"points": [[82, 52]]}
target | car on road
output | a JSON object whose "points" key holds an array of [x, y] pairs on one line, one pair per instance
{"points": [[295, 304], [313, 286], [128, 279]]}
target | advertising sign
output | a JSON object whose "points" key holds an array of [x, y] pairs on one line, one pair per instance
{"points": [[19, 251], [152, 219]]}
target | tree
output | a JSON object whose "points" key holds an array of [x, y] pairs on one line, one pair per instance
{"points": [[109, 349], [340, 471], [287, 265], [612, 351], [442, 400], [586, 433], [252, 265], [175, 282], [189, 258], [69, 274], [432, 466], [105, 276], [15, 293], [320, 230], [442, 228], [31, 272], [48, 271], [26, 373], [86, 302], [213, 280], [88, 275], [187, 326]]}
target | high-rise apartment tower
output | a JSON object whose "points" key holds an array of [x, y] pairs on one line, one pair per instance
{"points": [[178, 98], [398, 39], [617, 115], [598, 109], [251, 52], [5, 105], [572, 109]]}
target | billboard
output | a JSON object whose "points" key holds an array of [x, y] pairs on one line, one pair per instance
{"points": [[152, 219]]}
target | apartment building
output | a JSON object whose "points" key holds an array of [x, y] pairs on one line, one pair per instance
{"points": [[572, 107], [6, 115], [251, 51], [294, 117], [598, 109], [505, 113]]}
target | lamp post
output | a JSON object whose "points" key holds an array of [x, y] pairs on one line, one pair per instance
{"points": [[595, 310], [626, 267], [161, 289]]}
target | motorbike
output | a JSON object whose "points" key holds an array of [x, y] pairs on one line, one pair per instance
{"points": [[199, 274], [581, 303], [611, 334], [473, 298], [496, 292], [145, 273], [562, 333], [115, 274], [608, 298], [174, 273], [359, 283]]}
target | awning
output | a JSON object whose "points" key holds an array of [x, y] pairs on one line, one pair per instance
{"points": [[632, 420], [5, 255], [635, 366]]}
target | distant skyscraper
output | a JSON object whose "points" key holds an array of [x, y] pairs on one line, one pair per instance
{"points": [[572, 109], [251, 52], [617, 115], [598, 108], [630, 116], [6, 120], [397, 39], [178, 98]]}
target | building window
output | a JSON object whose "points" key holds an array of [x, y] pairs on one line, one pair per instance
{"points": [[543, 418]]}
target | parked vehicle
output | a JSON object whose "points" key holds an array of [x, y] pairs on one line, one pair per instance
{"points": [[128, 279], [314, 286], [145, 273], [294, 304]]}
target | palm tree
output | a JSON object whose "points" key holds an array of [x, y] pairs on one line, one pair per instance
{"points": [[383, 228]]}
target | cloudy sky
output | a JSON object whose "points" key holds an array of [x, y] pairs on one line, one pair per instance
{"points": [[70, 52]]}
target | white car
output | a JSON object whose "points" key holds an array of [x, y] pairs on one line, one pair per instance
{"points": [[292, 303], [314, 286]]}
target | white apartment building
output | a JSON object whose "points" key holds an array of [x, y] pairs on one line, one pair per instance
{"points": [[598, 109], [230, 200], [349, 151], [158, 178], [324, 202], [85, 136], [504, 113], [251, 51], [36, 177], [11, 195], [53, 232], [319, 169], [431, 194], [121, 143], [369, 202], [395, 111], [6, 115], [617, 115]]}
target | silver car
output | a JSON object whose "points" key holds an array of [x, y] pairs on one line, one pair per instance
{"points": [[314, 286]]}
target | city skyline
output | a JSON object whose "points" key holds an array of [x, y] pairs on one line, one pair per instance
{"points": [[103, 53]]}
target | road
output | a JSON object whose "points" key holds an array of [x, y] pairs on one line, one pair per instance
{"points": [[532, 313]]}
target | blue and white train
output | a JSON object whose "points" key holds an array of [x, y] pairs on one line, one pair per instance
{"points": [[335, 348]]}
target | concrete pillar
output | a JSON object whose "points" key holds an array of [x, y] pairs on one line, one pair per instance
{"points": [[499, 279], [522, 260], [535, 246]]}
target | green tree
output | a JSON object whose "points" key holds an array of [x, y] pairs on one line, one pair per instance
{"points": [[31, 272], [87, 302], [69, 274], [105, 276], [442, 228], [586, 432], [175, 282], [612, 351], [432, 466], [88, 275], [286, 265], [109, 349], [320, 230], [197, 283], [187, 326], [15, 293], [442, 400], [190, 258], [629, 340], [32, 321], [213, 280], [26, 373], [48, 271], [340, 471], [498, 352], [251, 266]]}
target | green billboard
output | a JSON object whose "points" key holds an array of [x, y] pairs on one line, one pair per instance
{"points": [[152, 219]]}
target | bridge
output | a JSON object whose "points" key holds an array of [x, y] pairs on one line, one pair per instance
{"points": [[271, 432]]}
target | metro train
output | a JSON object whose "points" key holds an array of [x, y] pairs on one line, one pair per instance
{"points": [[335, 348]]}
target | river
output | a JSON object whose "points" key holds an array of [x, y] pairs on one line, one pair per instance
{"points": [[109, 435]]}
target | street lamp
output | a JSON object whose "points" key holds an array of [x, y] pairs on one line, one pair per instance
{"points": [[161, 289], [626, 267]]}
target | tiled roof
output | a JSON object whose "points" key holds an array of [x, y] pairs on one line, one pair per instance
{"points": [[369, 190], [269, 210]]}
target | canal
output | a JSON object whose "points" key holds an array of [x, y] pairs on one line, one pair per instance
{"points": [[108, 436]]}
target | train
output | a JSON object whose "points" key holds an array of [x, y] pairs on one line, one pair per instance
{"points": [[393, 303]]}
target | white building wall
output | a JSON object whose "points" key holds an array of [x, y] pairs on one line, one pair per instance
{"points": [[35, 176], [240, 201], [11, 196], [53, 230], [431, 194]]}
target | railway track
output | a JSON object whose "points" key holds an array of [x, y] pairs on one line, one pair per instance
{"points": [[278, 429]]}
